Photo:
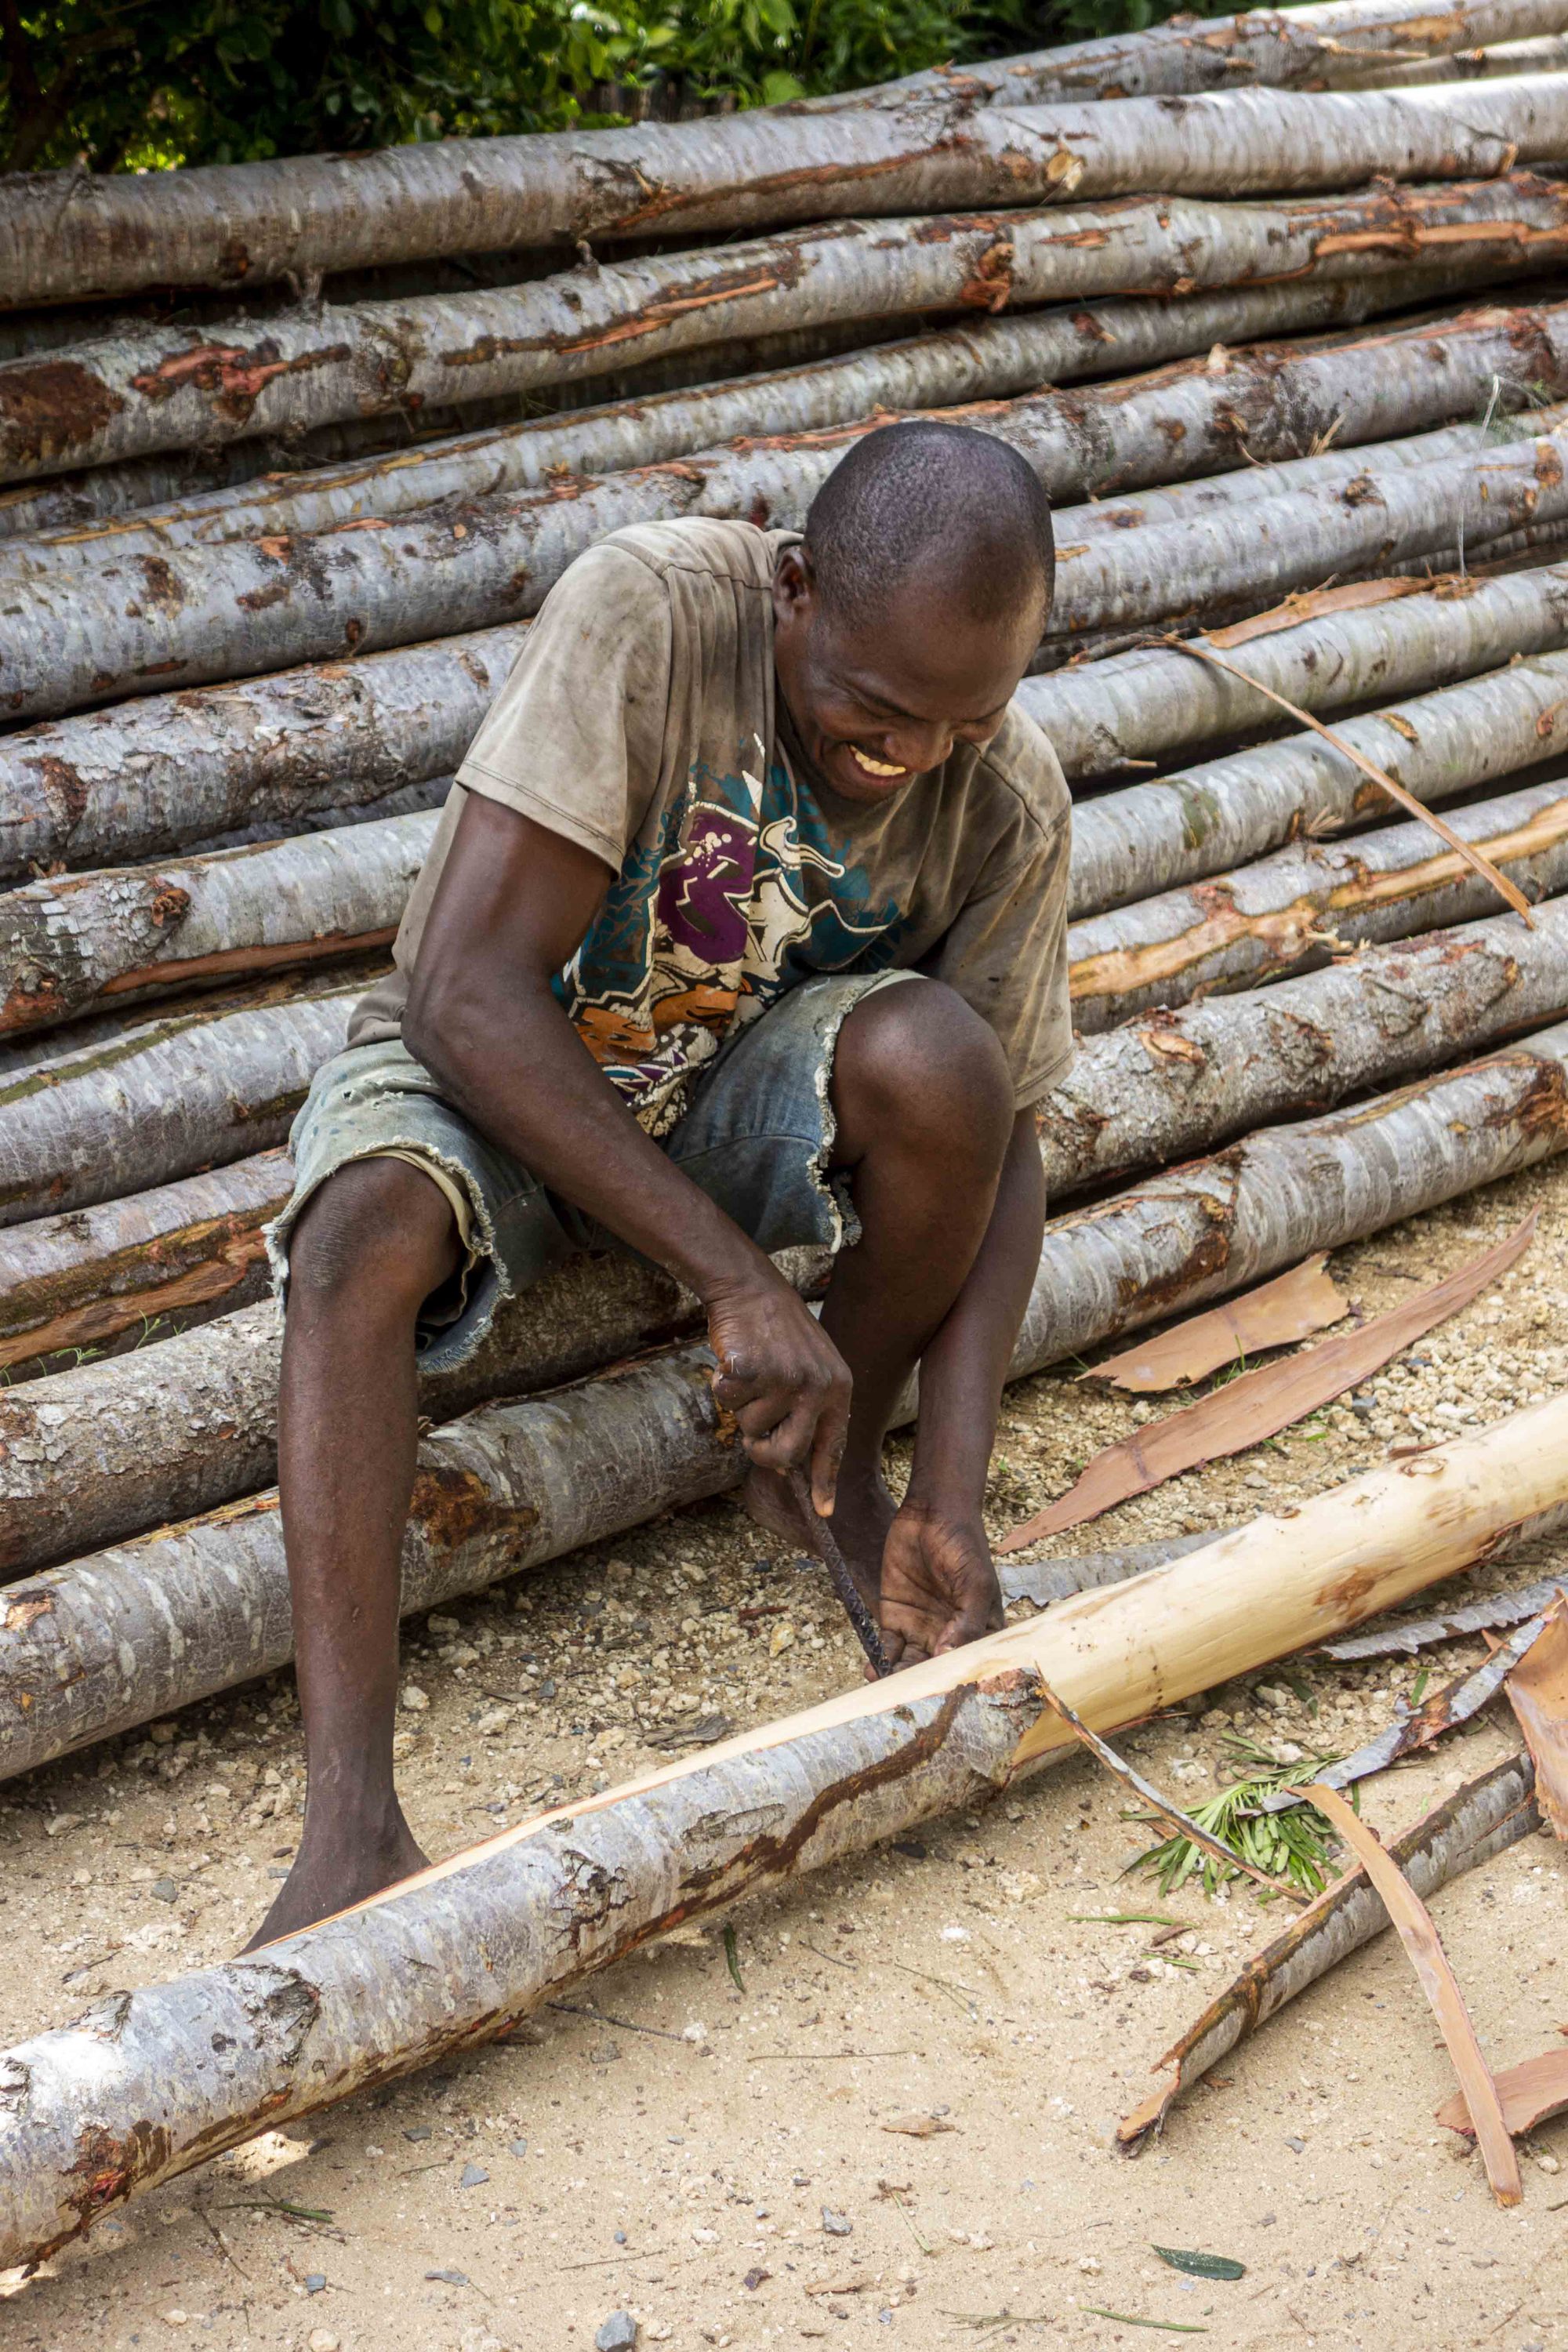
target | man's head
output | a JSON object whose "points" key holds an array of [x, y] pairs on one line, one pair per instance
{"points": [[905, 620]]}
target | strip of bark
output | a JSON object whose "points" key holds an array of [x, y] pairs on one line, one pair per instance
{"points": [[1043, 1581], [1132, 709], [1293, 1307], [1326, 46], [1531, 2093], [1286, 912], [73, 943], [1150, 837], [102, 1451], [453, 1954], [1549, 54], [118, 628], [166, 389], [994, 358], [1538, 1693], [1478, 1822], [1416, 1931], [1403, 1640], [1265, 1400], [1420, 1726]]}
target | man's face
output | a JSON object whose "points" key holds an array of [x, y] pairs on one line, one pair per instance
{"points": [[879, 704]]}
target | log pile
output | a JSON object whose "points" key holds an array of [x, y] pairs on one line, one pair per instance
{"points": [[269, 545]]}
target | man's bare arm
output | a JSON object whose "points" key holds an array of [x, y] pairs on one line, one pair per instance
{"points": [[512, 905]]}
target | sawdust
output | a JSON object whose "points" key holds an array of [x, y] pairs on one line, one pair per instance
{"points": [[670, 2145]]}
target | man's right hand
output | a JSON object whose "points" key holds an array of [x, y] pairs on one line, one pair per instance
{"points": [[783, 1379]]}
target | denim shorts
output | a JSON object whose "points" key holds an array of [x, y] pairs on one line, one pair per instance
{"points": [[756, 1136]]}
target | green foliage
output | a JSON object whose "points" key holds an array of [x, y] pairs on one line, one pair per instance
{"points": [[119, 84], [1296, 1847]]}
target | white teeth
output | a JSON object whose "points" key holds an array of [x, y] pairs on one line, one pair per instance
{"points": [[873, 767]]}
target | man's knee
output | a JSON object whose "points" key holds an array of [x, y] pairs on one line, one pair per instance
{"points": [[378, 1229], [916, 1059]]}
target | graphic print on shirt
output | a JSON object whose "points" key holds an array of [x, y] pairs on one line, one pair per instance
{"points": [[743, 895]]}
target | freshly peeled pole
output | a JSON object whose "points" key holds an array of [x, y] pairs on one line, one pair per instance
{"points": [[97, 1453], [1155, 1091], [1159, 1089], [79, 942], [75, 637], [130, 2095], [994, 358], [1148, 839], [1327, 47], [1240, 928], [219, 224], [188, 1089], [153, 388]]}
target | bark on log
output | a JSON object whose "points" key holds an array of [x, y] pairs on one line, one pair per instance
{"points": [[151, 776], [74, 943], [1327, 47], [1125, 711], [1287, 913], [1160, 1090], [1150, 837], [998, 357], [81, 1280], [1547, 55], [219, 611], [166, 388], [94, 1454], [130, 2094], [215, 226], [168, 1095]]}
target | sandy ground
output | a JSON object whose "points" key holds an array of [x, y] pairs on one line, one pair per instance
{"points": [[727, 2166]]}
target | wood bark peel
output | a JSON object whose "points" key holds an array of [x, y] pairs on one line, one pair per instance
{"points": [[1478, 1821], [1405, 1640], [1538, 1693], [1530, 2092], [132, 2093], [1413, 1924], [1506, 890], [1262, 1401], [1293, 1307]]}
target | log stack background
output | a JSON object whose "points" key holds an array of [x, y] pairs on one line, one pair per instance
{"points": [[292, 452]]}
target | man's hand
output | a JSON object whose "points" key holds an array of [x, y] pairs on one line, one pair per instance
{"points": [[938, 1586], [783, 1379]]}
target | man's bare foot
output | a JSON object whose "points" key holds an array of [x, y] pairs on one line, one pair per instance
{"points": [[336, 1870], [862, 1514]]}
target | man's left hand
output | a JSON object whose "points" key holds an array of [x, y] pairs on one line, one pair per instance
{"points": [[938, 1586]]}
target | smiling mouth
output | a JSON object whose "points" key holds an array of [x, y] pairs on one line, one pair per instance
{"points": [[873, 767]]}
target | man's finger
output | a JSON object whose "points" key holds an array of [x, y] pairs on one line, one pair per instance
{"points": [[784, 1445], [827, 1452]]}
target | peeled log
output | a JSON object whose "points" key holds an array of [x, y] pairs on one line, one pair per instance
{"points": [[1150, 837], [86, 1278], [994, 358], [167, 1096], [130, 2094], [208, 612], [96, 1453], [1314, 47], [1286, 912], [1125, 711], [158, 388], [75, 942], [1175, 1083], [148, 777]]}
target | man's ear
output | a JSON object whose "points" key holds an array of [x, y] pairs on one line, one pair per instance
{"points": [[793, 588]]}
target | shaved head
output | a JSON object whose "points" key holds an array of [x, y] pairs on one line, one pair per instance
{"points": [[954, 512]]}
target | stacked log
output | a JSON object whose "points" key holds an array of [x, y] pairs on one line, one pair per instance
{"points": [[262, 574]]}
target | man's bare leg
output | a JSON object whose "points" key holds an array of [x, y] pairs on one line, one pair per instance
{"points": [[369, 1248], [923, 1104]]}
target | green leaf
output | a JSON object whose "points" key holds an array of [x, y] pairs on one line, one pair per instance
{"points": [[734, 1958], [1196, 2265]]}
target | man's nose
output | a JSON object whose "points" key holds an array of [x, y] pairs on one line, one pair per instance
{"points": [[918, 744]]}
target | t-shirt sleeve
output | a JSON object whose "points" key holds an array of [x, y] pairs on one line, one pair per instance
{"points": [[575, 737], [1006, 952]]}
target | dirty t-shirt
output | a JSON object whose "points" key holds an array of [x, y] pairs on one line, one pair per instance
{"points": [[642, 721]]}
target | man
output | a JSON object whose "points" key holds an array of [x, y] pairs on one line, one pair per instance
{"points": [[743, 928]]}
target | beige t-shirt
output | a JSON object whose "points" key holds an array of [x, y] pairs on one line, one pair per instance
{"points": [[642, 721]]}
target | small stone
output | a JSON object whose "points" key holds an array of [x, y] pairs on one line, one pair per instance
{"points": [[315, 2282], [491, 1726], [754, 2277], [162, 1734], [322, 2339], [1546, 2160], [473, 2176], [616, 2334], [61, 1823], [1295, 2145], [838, 2225], [164, 1890], [449, 2278], [416, 2131], [413, 1699], [175, 2318], [519, 2147]]}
